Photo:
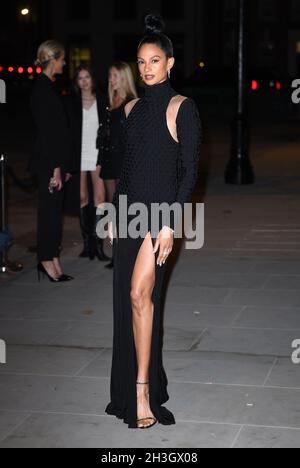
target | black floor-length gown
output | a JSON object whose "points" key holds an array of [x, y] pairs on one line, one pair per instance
{"points": [[156, 169]]}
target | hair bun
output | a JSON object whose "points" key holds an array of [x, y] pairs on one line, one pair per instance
{"points": [[154, 24]]}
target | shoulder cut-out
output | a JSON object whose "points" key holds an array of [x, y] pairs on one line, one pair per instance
{"points": [[175, 105], [172, 113]]}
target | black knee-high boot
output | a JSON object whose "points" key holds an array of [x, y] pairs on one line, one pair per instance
{"points": [[98, 242], [85, 224]]}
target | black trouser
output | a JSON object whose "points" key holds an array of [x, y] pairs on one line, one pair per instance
{"points": [[49, 229]]}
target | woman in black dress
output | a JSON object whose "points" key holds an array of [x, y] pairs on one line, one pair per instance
{"points": [[121, 90], [163, 135], [86, 191], [110, 143], [51, 159]]}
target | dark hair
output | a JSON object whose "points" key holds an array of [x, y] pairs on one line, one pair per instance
{"points": [[91, 73], [154, 35]]}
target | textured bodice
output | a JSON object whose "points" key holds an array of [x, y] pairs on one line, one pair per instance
{"points": [[150, 165], [156, 168]]}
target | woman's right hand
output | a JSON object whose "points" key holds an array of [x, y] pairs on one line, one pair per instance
{"points": [[56, 181]]}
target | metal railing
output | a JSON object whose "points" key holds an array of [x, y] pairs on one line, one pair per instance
{"points": [[3, 220]]}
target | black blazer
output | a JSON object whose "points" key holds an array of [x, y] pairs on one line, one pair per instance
{"points": [[110, 140], [52, 148]]}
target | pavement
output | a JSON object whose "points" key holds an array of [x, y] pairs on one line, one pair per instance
{"points": [[232, 312]]}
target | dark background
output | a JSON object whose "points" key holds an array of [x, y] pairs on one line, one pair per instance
{"points": [[202, 30], [204, 33]]}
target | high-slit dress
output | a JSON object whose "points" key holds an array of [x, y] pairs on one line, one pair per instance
{"points": [[156, 169]]}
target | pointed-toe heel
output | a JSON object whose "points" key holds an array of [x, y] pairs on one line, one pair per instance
{"points": [[65, 278]]}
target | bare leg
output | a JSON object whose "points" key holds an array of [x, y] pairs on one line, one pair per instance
{"points": [[110, 187], [142, 285], [84, 195], [98, 187], [57, 266]]}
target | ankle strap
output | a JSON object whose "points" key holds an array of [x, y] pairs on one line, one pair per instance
{"points": [[142, 383]]}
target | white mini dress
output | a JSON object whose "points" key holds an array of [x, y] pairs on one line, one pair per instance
{"points": [[90, 125]]}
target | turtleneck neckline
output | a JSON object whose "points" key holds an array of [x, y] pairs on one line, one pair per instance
{"points": [[158, 91]]}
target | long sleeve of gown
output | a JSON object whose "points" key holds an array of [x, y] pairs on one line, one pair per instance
{"points": [[189, 133]]}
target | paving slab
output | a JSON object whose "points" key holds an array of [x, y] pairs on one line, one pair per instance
{"points": [[231, 314], [81, 431], [266, 437]]}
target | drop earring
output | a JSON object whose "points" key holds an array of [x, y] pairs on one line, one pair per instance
{"points": [[169, 74]]}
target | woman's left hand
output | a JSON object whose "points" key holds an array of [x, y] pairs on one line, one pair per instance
{"points": [[164, 243]]}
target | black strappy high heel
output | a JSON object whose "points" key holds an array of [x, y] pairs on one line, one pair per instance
{"points": [[150, 417]]}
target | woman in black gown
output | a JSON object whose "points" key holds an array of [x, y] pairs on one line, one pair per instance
{"points": [[162, 146], [121, 90]]}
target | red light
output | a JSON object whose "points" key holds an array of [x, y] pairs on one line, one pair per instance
{"points": [[278, 86], [11, 69], [30, 70], [20, 70], [254, 85], [39, 70], [1, 69]]}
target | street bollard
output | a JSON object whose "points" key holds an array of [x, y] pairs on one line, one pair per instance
{"points": [[3, 225], [239, 170]]}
